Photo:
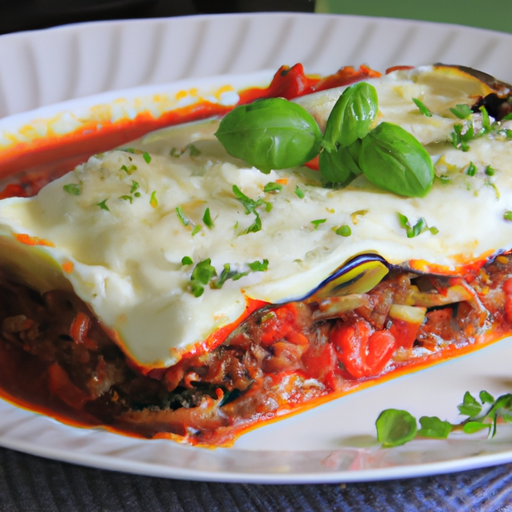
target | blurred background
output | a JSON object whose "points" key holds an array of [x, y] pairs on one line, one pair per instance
{"points": [[16, 15]]}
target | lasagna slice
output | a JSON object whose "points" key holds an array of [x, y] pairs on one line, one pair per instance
{"points": [[168, 289]]}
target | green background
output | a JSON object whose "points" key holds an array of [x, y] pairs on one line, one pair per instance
{"points": [[491, 14]]}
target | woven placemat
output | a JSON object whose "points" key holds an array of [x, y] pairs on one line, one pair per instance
{"points": [[29, 483]]}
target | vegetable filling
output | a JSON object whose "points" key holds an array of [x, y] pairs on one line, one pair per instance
{"points": [[281, 356]]}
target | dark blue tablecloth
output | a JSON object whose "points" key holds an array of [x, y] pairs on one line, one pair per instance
{"points": [[30, 483]]}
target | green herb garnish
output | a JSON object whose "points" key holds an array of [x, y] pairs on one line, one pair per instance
{"points": [[251, 206], [273, 133], [128, 170], [153, 201], [507, 215], [489, 171], [317, 222], [103, 205], [207, 219], [75, 189], [196, 229], [235, 275], [394, 160], [471, 171], [272, 187], [397, 427], [418, 228], [147, 157], [127, 198], [181, 216], [201, 275], [298, 192], [187, 260], [135, 186], [423, 109], [343, 230], [461, 111]]}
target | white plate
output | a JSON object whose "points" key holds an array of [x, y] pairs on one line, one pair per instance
{"points": [[334, 442]]}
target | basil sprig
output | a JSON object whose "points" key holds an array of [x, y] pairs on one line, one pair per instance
{"points": [[277, 134], [270, 134], [352, 116]]}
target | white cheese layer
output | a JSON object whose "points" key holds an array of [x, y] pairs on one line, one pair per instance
{"points": [[120, 232]]}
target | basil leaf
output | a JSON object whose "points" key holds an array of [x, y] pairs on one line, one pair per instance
{"points": [[432, 426], [394, 160], [340, 166], [352, 116], [395, 427], [270, 134]]}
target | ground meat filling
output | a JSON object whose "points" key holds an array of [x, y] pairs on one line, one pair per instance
{"points": [[279, 357]]}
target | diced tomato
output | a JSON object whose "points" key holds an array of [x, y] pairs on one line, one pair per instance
{"points": [[60, 385], [404, 333], [79, 329], [13, 190], [320, 360], [279, 323], [507, 288], [363, 352], [314, 163]]}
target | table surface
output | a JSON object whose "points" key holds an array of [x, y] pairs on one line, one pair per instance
{"points": [[29, 483]]}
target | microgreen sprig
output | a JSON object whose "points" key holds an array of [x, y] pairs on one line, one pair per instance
{"points": [[396, 427], [414, 230]]}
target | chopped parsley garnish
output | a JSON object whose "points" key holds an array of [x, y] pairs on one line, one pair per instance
{"points": [[471, 171], [317, 222], [251, 207], [129, 170], [128, 150], [127, 198], [75, 189], [176, 153], [103, 205], [135, 186], [299, 192], [147, 157], [461, 111], [259, 266], [153, 201], [423, 109], [207, 219], [235, 275], [137, 194], [201, 275], [196, 229], [508, 215], [396, 427], [489, 171], [193, 150], [272, 187], [418, 228], [187, 260], [460, 140], [343, 230], [181, 216]]}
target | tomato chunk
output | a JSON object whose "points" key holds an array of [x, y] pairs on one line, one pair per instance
{"points": [[363, 352]]}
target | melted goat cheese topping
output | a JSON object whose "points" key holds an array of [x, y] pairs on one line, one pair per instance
{"points": [[120, 243]]}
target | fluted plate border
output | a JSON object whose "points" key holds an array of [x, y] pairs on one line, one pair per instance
{"points": [[334, 442]]}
